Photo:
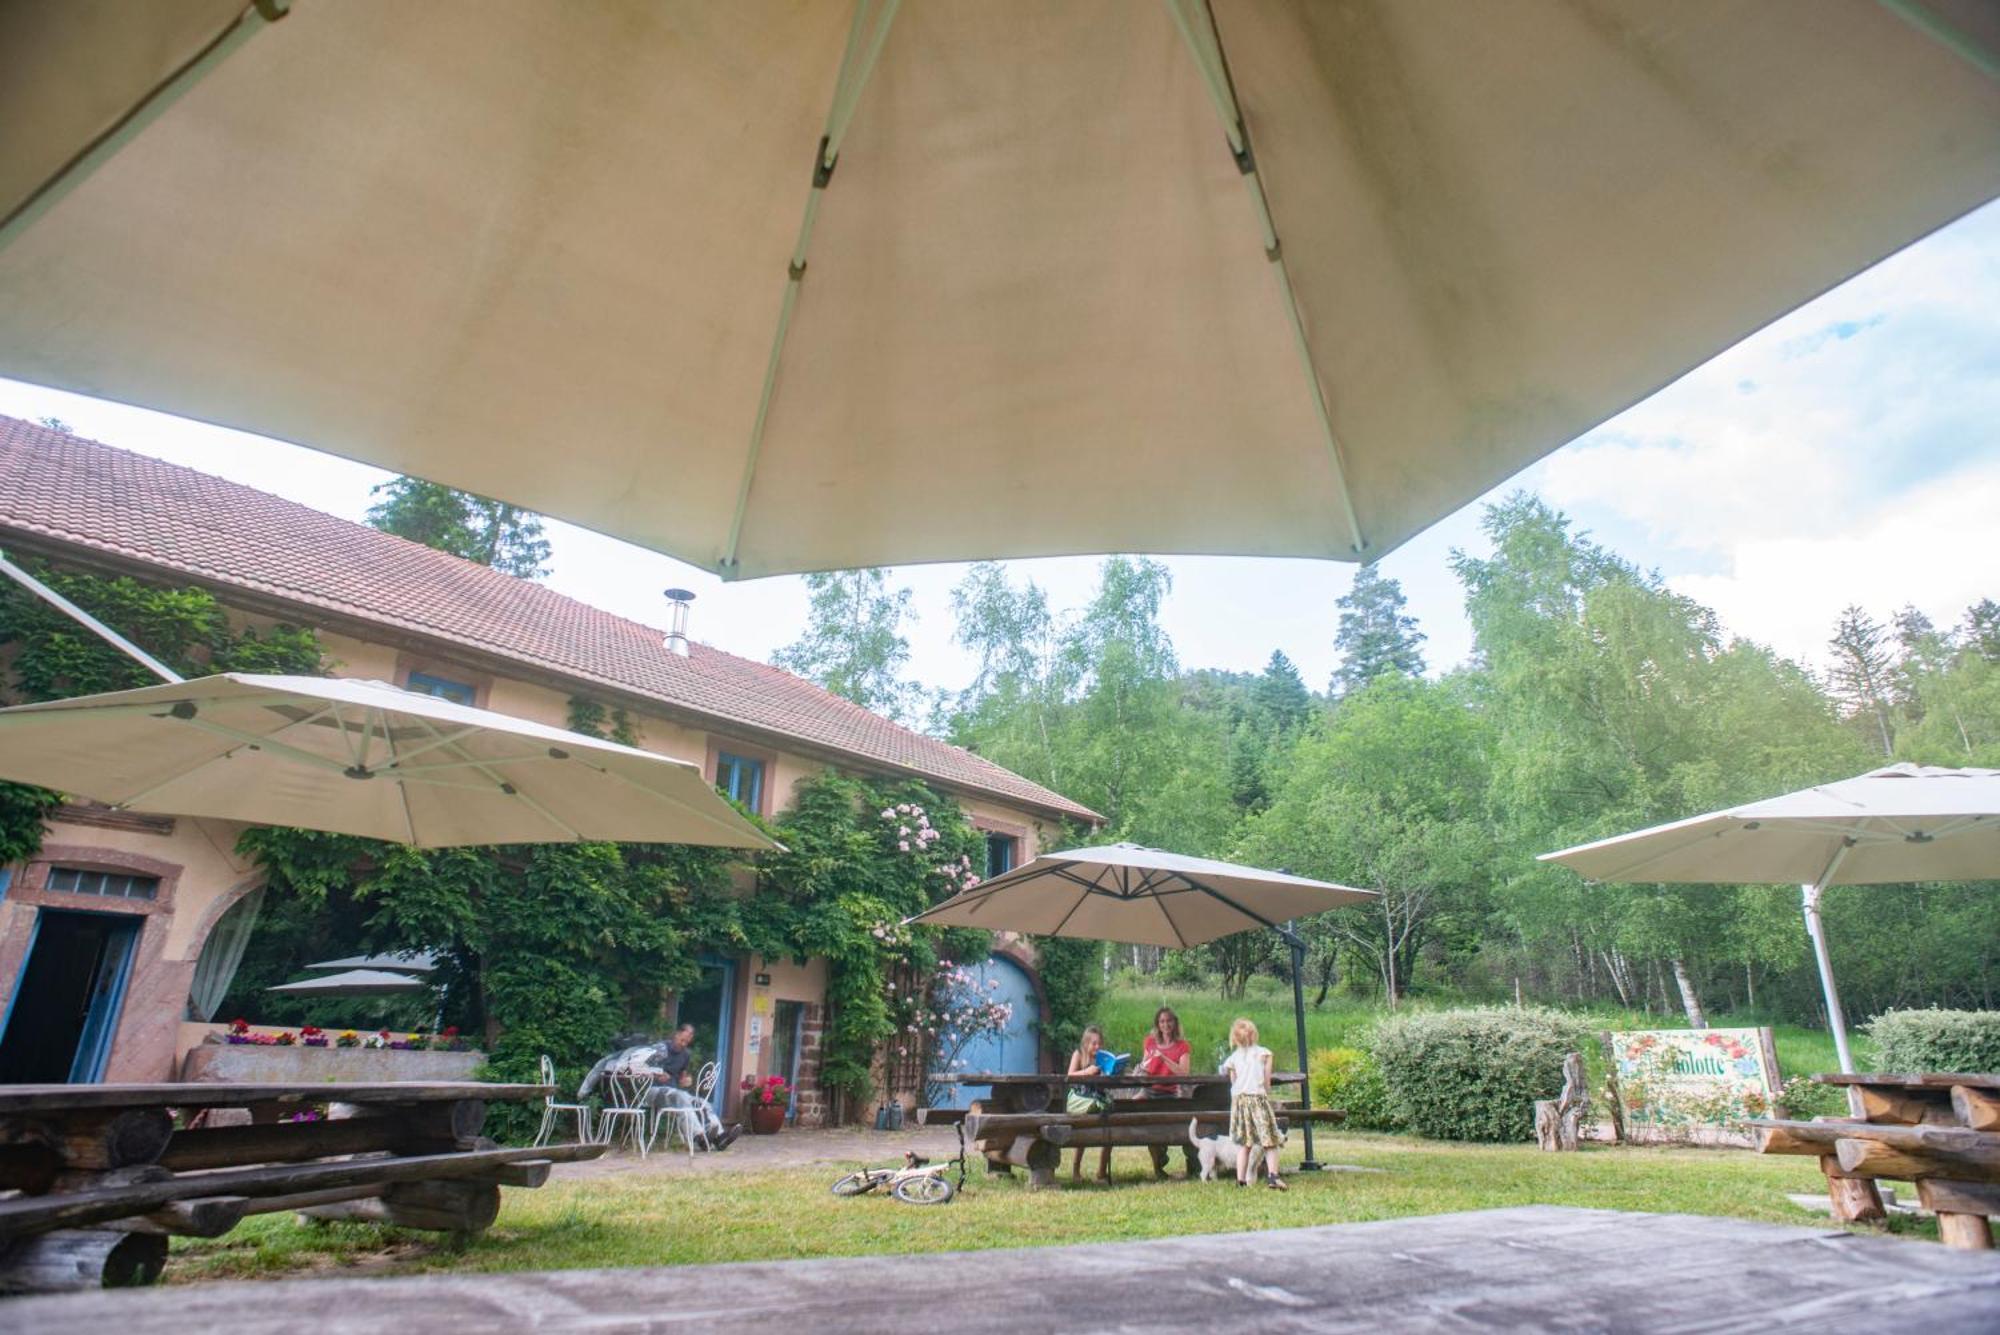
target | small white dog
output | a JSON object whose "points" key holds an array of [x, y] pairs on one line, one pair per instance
{"points": [[1217, 1149]]}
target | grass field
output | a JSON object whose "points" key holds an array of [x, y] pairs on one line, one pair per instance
{"points": [[1128, 1009], [663, 1219]]}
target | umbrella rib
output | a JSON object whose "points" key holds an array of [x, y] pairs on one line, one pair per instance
{"points": [[272, 744], [1205, 45], [402, 789], [183, 771], [1179, 935], [856, 64], [506, 788], [401, 759], [664, 797]]}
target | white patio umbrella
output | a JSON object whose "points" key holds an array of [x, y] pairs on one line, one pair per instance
{"points": [[407, 962], [354, 983], [359, 757], [1896, 824], [761, 284], [1130, 893]]}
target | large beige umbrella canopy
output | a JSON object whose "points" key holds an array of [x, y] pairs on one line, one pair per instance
{"points": [[359, 757], [1896, 824], [1127, 892], [777, 285]]}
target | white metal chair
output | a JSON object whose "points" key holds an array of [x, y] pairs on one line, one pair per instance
{"points": [[691, 1119], [627, 1092], [552, 1111]]}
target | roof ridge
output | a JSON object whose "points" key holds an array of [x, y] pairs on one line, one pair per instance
{"points": [[173, 516]]}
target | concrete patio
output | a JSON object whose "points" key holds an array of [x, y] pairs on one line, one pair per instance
{"points": [[1528, 1268]]}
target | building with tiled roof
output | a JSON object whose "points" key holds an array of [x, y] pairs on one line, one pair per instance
{"points": [[67, 497], [392, 610]]}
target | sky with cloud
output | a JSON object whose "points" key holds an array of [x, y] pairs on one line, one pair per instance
{"points": [[1848, 453]]}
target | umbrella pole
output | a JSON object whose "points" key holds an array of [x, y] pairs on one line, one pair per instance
{"points": [[1309, 1164], [1834, 1018]]}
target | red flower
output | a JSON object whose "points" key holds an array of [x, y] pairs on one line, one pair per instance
{"points": [[239, 1026], [767, 1096], [450, 1031]]}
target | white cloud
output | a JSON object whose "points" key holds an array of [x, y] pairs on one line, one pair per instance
{"points": [[1938, 548]]}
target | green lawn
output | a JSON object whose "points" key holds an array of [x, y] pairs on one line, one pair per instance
{"points": [[664, 1219]]}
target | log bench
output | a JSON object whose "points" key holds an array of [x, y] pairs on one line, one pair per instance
{"points": [[101, 1175], [1941, 1132], [1022, 1125]]}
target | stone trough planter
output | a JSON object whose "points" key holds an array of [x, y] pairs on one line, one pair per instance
{"points": [[225, 1063]]}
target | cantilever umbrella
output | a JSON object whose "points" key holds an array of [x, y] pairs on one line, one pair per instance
{"points": [[1896, 824], [354, 983], [1130, 893], [359, 757], [759, 283]]}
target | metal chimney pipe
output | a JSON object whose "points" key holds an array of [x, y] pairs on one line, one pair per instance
{"points": [[677, 631]]}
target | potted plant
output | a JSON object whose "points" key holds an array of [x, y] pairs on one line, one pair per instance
{"points": [[764, 1103], [312, 1036]]}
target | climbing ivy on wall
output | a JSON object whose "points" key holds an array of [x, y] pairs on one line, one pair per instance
{"points": [[593, 718], [859, 857], [50, 657]]}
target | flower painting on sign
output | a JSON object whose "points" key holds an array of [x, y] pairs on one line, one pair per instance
{"points": [[1678, 1079]]}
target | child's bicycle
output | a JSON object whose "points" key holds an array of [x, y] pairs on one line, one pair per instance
{"points": [[915, 1182]]}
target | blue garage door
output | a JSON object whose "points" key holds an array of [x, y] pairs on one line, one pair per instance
{"points": [[1015, 1050]]}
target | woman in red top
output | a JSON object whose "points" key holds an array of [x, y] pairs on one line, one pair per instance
{"points": [[1166, 1053]]}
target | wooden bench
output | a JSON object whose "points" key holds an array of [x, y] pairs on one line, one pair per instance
{"points": [[103, 1175], [1023, 1125], [1941, 1132]]}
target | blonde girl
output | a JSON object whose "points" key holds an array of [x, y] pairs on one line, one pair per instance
{"points": [[1252, 1123], [1086, 1099]]}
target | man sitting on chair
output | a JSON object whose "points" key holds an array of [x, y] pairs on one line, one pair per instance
{"points": [[671, 1061]]}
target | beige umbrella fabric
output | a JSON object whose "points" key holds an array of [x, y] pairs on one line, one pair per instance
{"points": [[778, 285], [354, 983], [363, 758], [1896, 824], [1126, 892]]}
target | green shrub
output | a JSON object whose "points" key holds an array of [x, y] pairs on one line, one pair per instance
{"points": [[1804, 1098], [1474, 1074], [1349, 1078], [1958, 1042]]}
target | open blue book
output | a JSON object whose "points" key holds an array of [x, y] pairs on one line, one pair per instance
{"points": [[1112, 1063]]}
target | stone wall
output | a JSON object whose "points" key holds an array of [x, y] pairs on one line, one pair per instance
{"points": [[810, 1097]]}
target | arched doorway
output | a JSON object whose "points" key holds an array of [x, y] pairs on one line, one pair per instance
{"points": [[1017, 1049]]}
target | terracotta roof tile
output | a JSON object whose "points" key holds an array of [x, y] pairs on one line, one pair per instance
{"points": [[85, 494]]}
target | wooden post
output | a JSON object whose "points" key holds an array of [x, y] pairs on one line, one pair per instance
{"points": [[1036, 1155], [68, 1259], [1976, 1108], [1559, 1121], [1854, 1199]]}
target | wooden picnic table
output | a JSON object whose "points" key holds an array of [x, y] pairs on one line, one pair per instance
{"points": [[1940, 1131], [103, 1174], [1024, 1124]]}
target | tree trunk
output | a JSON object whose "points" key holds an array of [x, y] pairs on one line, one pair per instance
{"points": [[1690, 1000]]}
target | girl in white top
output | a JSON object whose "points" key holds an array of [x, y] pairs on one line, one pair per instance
{"points": [[1252, 1122]]}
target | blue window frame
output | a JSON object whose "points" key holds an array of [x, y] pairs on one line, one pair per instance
{"points": [[444, 688], [740, 779], [999, 854]]}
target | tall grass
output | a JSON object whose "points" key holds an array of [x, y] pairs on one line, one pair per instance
{"points": [[1127, 1012]]}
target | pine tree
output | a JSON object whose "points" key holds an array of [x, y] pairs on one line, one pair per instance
{"points": [[1375, 636], [1280, 693], [490, 533], [1863, 674]]}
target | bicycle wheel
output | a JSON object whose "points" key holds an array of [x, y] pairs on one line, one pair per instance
{"points": [[930, 1189], [856, 1184]]}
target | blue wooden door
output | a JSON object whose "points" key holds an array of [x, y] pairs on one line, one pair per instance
{"points": [[1016, 1050]]}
